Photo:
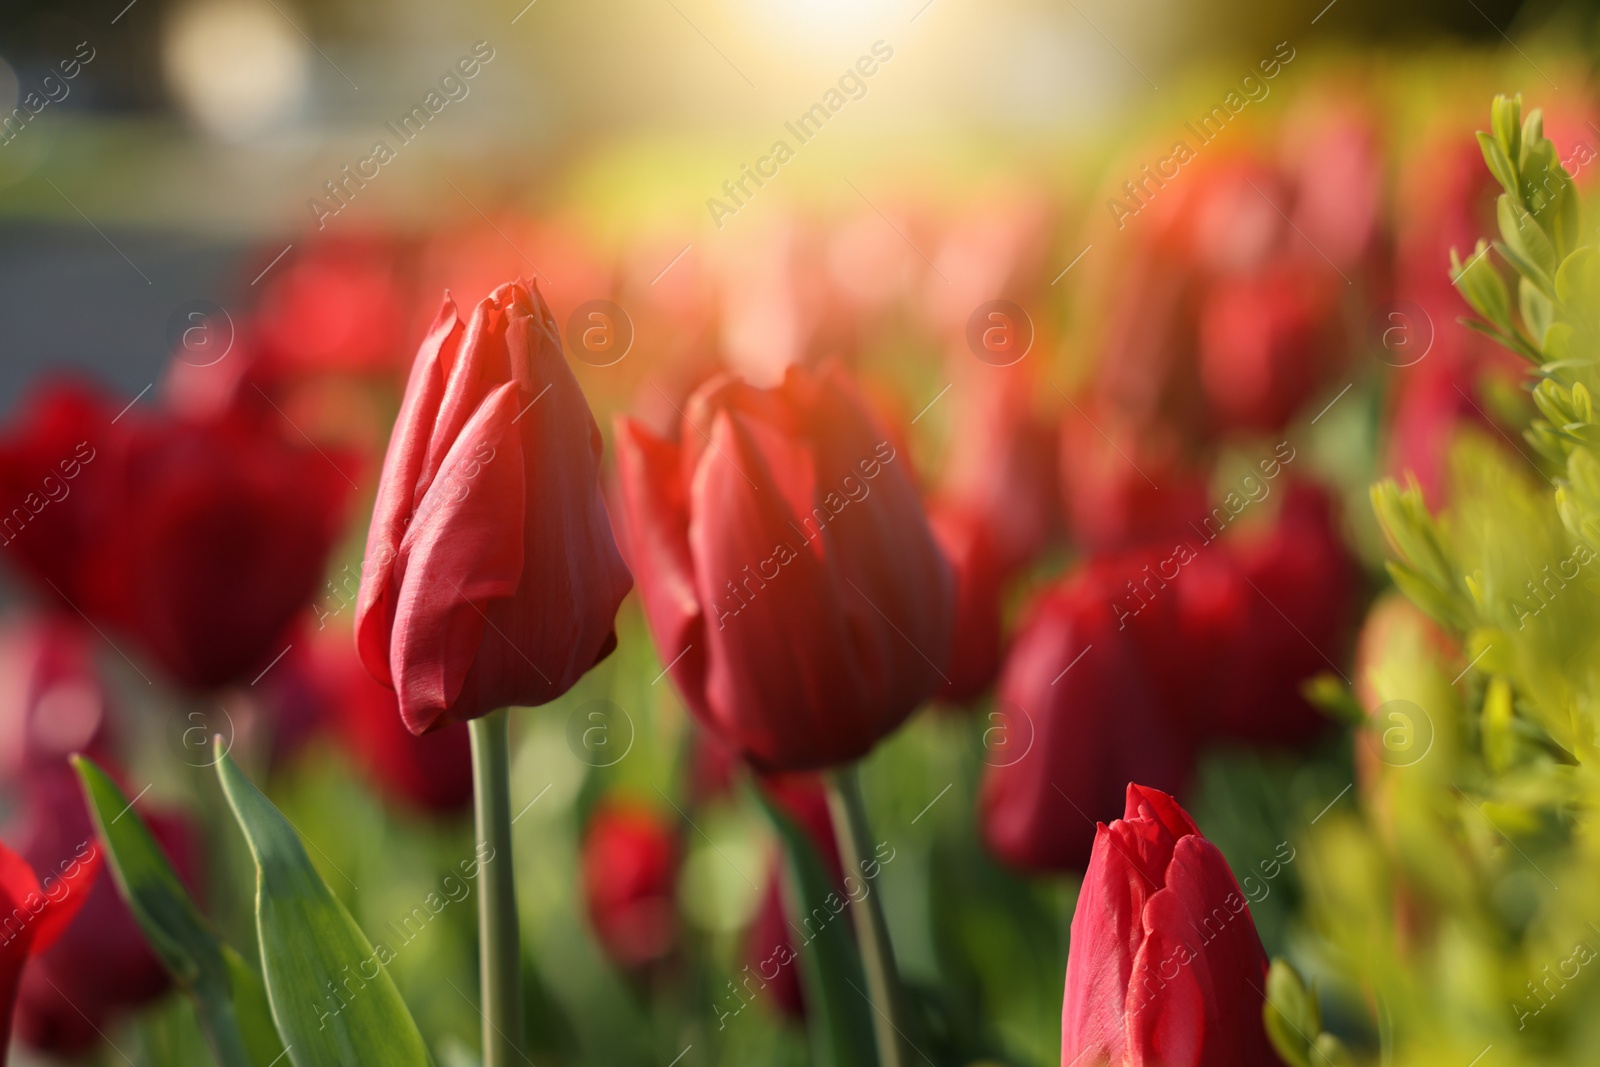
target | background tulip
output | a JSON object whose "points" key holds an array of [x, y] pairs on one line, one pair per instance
{"points": [[492, 577], [630, 872], [787, 568], [1083, 718], [198, 542], [1166, 967]]}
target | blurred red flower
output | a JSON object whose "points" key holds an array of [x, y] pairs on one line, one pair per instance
{"points": [[1079, 714], [198, 542], [337, 306], [967, 540], [787, 568], [630, 871], [492, 578], [1160, 898]]}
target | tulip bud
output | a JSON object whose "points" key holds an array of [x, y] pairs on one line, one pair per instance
{"points": [[787, 569], [1166, 966], [491, 576]]}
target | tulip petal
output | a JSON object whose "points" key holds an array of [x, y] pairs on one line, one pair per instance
{"points": [[659, 554], [398, 491], [776, 605], [464, 549], [1204, 967]]}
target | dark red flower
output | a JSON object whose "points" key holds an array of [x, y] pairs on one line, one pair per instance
{"points": [[1166, 966], [630, 872], [198, 542], [1128, 489], [1301, 591], [492, 578], [787, 568], [1079, 715], [1003, 460]]}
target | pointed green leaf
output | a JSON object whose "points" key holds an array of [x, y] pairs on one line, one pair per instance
{"points": [[230, 1003], [1290, 1014], [333, 1002], [837, 1010], [1499, 165]]}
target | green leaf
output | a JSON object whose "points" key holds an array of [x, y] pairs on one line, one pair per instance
{"points": [[837, 1009], [1505, 117], [1482, 287], [229, 1001], [1330, 694], [1290, 1014], [333, 1002], [1499, 164]]}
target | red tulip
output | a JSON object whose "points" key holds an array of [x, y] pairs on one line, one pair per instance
{"points": [[630, 870], [1300, 585], [1080, 714], [36, 914], [1263, 343], [1128, 489], [787, 569], [430, 774], [492, 579], [197, 542], [101, 966], [1223, 300], [1166, 966]]}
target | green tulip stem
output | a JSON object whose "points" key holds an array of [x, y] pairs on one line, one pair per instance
{"points": [[499, 944], [872, 932]]}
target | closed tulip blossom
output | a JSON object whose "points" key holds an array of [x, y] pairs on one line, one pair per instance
{"points": [[198, 541], [1080, 714], [1166, 968], [787, 568], [492, 578]]}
